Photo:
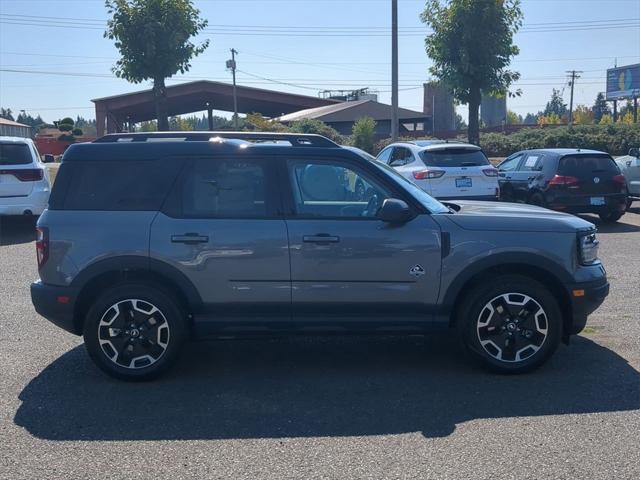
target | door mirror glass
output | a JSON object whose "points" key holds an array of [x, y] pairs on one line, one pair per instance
{"points": [[634, 152], [48, 158], [394, 210]]}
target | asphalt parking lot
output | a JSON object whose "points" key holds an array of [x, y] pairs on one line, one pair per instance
{"points": [[322, 407]]}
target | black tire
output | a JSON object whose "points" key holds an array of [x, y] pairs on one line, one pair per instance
{"points": [[150, 356], [484, 330], [629, 202], [610, 216], [538, 200]]}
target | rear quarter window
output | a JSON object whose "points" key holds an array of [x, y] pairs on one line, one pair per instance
{"points": [[113, 185], [15, 154], [454, 157], [580, 166]]}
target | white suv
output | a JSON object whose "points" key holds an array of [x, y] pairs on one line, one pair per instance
{"points": [[24, 180], [444, 170]]}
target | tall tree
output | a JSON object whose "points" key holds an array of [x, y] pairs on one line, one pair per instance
{"points": [[154, 40], [600, 108], [6, 114], [556, 106], [471, 48]]}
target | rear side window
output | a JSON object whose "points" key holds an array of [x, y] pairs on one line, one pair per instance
{"points": [[15, 154], [581, 166], [224, 188], [115, 185], [454, 157]]}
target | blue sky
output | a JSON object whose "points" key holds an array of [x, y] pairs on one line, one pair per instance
{"points": [[310, 60]]}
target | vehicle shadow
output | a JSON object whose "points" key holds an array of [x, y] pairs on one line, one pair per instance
{"points": [[618, 227], [309, 387], [18, 229]]}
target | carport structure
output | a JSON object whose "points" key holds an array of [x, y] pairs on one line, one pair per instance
{"points": [[113, 113]]}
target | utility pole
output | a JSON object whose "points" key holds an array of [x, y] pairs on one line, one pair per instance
{"points": [[574, 75], [231, 64], [394, 70]]}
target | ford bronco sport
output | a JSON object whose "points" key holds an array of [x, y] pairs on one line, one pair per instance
{"points": [[151, 239]]}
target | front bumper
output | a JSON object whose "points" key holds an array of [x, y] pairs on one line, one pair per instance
{"points": [[56, 304], [586, 297]]}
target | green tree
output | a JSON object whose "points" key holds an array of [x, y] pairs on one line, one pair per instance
{"points": [[600, 108], [150, 126], [513, 118], [256, 122], [582, 115], [69, 129], [606, 120], [154, 40], [471, 48], [6, 114], [555, 105], [311, 125], [531, 118], [363, 134]]}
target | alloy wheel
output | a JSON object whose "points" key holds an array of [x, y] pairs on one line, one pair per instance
{"points": [[133, 333], [512, 327]]}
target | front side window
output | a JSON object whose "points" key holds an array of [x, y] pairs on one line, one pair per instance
{"points": [[385, 155], [510, 164], [220, 188], [401, 156], [334, 190]]}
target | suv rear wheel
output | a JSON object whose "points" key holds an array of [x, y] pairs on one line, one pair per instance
{"points": [[610, 216], [134, 331], [512, 325]]}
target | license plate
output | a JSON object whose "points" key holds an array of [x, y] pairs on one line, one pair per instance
{"points": [[597, 201], [463, 182]]}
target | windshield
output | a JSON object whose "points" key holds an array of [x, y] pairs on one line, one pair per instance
{"points": [[14, 154], [454, 157], [433, 205]]}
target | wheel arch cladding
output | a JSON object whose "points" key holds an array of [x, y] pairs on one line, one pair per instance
{"points": [[109, 272], [538, 268]]}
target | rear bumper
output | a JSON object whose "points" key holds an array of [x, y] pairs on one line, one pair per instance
{"points": [[36, 202], [56, 304], [582, 204], [586, 297]]}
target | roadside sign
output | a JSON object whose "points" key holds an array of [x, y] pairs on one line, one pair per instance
{"points": [[623, 82]]}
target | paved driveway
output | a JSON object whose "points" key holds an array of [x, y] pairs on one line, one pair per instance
{"points": [[322, 407]]}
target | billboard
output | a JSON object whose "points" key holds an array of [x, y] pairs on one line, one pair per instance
{"points": [[623, 82]]}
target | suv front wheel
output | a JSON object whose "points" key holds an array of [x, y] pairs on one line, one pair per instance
{"points": [[512, 324], [134, 331]]}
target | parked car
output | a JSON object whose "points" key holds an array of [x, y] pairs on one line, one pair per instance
{"points": [[630, 167], [565, 179], [444, 170], [24, 180], [146, 244]]}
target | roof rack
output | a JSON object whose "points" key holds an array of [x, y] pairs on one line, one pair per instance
{"points": [[295, 139]]}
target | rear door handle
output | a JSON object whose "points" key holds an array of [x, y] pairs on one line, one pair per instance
{"points": [[189, 238], [320, 238]]}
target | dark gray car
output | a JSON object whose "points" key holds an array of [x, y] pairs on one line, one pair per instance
{"points": [[150, 239]]}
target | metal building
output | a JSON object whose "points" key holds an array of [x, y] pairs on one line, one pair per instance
{"points": [[438, 105], [493, 111], [9, 128]]}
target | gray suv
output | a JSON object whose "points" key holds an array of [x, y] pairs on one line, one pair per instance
{"points": [[152, 239]]}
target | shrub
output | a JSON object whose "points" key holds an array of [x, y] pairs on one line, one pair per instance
{"points": [[77, 132], [311, 125], [363, 134]]}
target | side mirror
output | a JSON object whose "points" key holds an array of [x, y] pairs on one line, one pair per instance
{"points": [[634, 152], [48, 158], [394, 210]]}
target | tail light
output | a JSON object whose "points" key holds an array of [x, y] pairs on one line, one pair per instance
{"points": [[564, 180], [428, 173], [25, 175], [490, 172], [42, 245], [620, 181]]}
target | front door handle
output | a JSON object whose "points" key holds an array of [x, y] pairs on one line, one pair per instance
{"points": [[320, 238], [189, 238]]}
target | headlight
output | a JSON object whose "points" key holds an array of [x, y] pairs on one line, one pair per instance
{"points": [[588, 248]]}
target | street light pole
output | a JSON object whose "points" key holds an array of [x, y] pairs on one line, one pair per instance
{"points": [[394, 70]]}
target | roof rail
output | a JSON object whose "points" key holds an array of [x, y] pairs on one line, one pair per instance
{"points": [[296, 139]]}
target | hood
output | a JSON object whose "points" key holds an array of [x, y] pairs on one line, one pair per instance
{"points": [[473, 215]]}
